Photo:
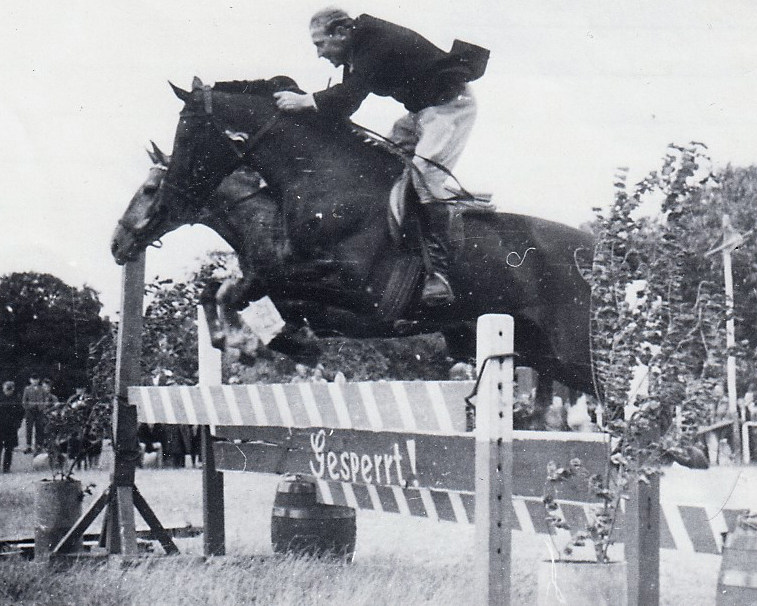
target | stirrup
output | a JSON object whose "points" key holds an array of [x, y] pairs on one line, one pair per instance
{"points": [[437, 290]]}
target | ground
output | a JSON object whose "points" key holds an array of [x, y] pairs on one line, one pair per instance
{"points": [[434, 560]]}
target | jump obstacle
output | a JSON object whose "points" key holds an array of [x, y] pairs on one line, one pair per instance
{"points": [[397, 447]]}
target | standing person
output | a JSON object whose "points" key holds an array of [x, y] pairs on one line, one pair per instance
{"points": [[76, 444], [34, 401], [392, 61], [11, 415]]}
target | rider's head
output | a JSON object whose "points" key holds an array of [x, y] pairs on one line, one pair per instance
{"points": [[331, 31]]}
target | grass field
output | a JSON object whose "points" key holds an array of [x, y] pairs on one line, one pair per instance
{"points": [[399, 560]]}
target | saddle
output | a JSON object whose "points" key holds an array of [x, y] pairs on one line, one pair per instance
{"points": [[397, 276], [403, 196]]}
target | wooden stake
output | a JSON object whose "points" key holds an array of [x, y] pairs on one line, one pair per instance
{"points": [[214, 538], [494, 455]]}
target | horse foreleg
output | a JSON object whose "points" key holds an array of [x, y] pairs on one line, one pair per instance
{"points": [[236, 335], [210, 307]]}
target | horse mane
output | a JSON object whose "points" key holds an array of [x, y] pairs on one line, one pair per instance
{"points": [[258, 87], [348, 129]]}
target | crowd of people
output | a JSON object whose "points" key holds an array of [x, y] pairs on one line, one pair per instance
{"points": [[32, 408]]}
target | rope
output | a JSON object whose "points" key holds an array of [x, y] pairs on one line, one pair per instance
{"points": [[474, 393]]}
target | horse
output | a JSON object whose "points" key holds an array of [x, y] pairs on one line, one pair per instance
{"points": [[317, 241]]}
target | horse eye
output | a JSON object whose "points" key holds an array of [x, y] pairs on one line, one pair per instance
{"points": [[150, 189]]}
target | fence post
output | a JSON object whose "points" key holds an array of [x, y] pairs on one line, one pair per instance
{"points": [[642, 542], [214, 536], [494, 456], [121, 536]]}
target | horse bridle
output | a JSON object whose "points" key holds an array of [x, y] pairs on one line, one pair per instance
{"points": [[186, 194], [135, 233]]}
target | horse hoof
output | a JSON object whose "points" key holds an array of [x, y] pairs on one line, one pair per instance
{"points": [[218, 340]]}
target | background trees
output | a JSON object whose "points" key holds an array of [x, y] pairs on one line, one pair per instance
{"points": [[47, 327]]}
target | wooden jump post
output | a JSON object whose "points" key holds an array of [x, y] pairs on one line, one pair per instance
{"points": [[119, 534]]}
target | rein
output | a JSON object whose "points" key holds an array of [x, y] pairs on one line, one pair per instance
{"points": [[407, 158], [227, 136]]}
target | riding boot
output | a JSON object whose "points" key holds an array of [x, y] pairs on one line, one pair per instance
{"points": [[436, 223]]}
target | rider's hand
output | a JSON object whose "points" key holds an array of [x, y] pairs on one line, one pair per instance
{"points": [[294, 102]]}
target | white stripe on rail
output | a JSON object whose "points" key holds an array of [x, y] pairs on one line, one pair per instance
{"points": [[436, 395], [717, 522], [168, 411], [458, 508], [677, 528], [340, 406], [233, 405], [524, 519], [403, 405], [371, 408], [257, 405], [349, 495], [279, 395], [375, 499], [144, 398], [186, 402], [210, 407], [401, 499], [428, 504], [311, 406]]}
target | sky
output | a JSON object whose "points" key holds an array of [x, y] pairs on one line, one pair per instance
{"points": [[573, 90]]}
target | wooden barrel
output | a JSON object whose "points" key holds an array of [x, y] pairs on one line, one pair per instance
{"points": [[57, 504], [299, 524], [737, 580]]}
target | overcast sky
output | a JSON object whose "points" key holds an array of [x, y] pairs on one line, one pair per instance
{"points": [[573, 90]]}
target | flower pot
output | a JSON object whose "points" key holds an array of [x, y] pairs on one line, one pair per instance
{"points": [[57, 506], [577, 583]]}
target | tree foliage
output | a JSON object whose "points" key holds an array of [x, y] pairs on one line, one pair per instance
{"points": [[46, 328], [650, 310]]}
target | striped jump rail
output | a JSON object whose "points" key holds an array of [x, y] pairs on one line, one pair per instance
{"points": [[396, 447]]}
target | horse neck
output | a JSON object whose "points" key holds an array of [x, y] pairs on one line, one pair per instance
{"points": [[313, 169]]}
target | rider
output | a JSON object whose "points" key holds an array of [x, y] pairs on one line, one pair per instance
{"points": [[388, 60]]}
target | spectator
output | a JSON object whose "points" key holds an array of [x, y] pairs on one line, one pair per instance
{"points": [[34, 401], [11, 415], [317, 376], [47, 386], [462, 371], [301, 374]]}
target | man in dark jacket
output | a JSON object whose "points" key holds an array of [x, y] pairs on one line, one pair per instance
{"points": [[392, 61], [11, 415]]}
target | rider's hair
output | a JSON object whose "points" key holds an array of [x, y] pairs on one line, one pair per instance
{"points": [[328, 19]]}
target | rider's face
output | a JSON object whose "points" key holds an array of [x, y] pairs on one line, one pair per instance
{"points": [[334, 47]]}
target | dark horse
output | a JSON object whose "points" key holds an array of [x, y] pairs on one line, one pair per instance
{"points": [[317, 241]]}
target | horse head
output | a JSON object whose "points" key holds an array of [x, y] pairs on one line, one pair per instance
{"points": [[146, 220]]}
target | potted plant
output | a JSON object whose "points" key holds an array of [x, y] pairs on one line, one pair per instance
{"points": [[74, 429], [651, 315]]}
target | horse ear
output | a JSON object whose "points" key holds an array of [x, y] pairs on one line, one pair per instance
{"points": [[153, 157], [158, 156], [180, 92], [197, 83]]}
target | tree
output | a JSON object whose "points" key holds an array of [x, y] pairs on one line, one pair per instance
{"points": [[46, 328]]}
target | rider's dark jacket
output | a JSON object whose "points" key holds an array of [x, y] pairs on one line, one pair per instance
{"points": [[392, 61]]}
